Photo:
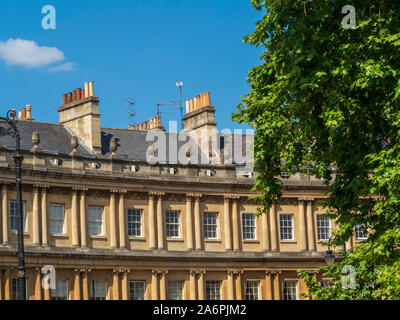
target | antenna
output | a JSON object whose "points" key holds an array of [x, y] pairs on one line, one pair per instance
{"points": [[131, 114], [180, 103]]}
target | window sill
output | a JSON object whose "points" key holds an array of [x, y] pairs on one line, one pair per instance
{"points": [[251, 241], [288, 241], [59, 235], [175, 240], [98, 237], [212, 240], [134, 238], [26, 234]]}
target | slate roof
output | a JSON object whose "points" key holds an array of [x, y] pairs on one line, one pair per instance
{"points": [[132, 144], [54, 138]]}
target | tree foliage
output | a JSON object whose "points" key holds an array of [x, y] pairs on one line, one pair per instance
{"points": [[325, 102]]}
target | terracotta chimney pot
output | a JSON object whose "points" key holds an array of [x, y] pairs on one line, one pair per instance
{"points": [[28, 112]]}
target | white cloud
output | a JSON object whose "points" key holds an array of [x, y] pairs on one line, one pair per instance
{"points": [[28, 54], [68, 66]]}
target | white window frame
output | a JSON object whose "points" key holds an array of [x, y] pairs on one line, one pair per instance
{"points": [[13, 209], [290, 227], [132, 289], [290, 285], [175, 285], [175, 225], [95, 222], [213, 290], [135, 223], [249, 226], [209, 226], [93, 289], [321, 227], [52, 220], [359, 229], [252, 292]]}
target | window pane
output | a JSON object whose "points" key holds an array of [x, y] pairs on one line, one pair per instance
{"points": [[210, 225], [290, 290], [286, 226], [56, 219], [61, 291], [98, 290], [135, 223], [213, 290], [172, 223], [323, 227], [175, 290], [249, 226], [252, 290], [95, 221], [361, 233], [14, 216], [137, 290]]}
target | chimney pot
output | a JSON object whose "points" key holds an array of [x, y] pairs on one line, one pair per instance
{"points": [[91, 90], [64, 99], [28, 109], [23, 114], [73, 96], [19, 115], [191, 105], [187, 106], [78, 94], [207, 97], [69, 97], [83, 93], [86, 89]]}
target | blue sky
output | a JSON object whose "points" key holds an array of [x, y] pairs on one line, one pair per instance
{"points": [[130, 49]]}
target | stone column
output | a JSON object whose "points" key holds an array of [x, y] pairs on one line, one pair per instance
{"points": [[115, 285], [125, 285], [38, 284], [160, 222], [7, 284], [75, 230], [239, 291], [197, 222], [189, 223], [4, 205], [277, 286], [113, 225], [200, 285], [230, 293], [77, 285], [265, 233], [154, 285], [152, 227], [192, 275], [302, 227], [310, 226], [35, 217], [45, 232], [274, 231], [163, 285], [83, 219], [235, 223], [85, 284], [227, 224], [268, 286], [122, 220]]}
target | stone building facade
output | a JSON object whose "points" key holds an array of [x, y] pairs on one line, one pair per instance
{"points": [[114, 226]]}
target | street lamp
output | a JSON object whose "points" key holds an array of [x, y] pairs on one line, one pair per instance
{"points": [[13, 132], [329, 257]]}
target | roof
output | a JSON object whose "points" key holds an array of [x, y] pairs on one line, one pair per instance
{"points": [[54, 138], [132, 144]]}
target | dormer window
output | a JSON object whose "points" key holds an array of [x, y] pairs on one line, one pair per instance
{"points": [[96, 165], [57, 162], [173, 170]]}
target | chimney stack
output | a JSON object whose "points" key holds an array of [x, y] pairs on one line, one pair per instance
{"points": [[80, 113]]}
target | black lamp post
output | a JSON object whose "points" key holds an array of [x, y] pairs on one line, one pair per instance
{"points": [[13, 132]]}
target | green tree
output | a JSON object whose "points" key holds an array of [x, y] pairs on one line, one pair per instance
{"points": [[325, 102]]}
